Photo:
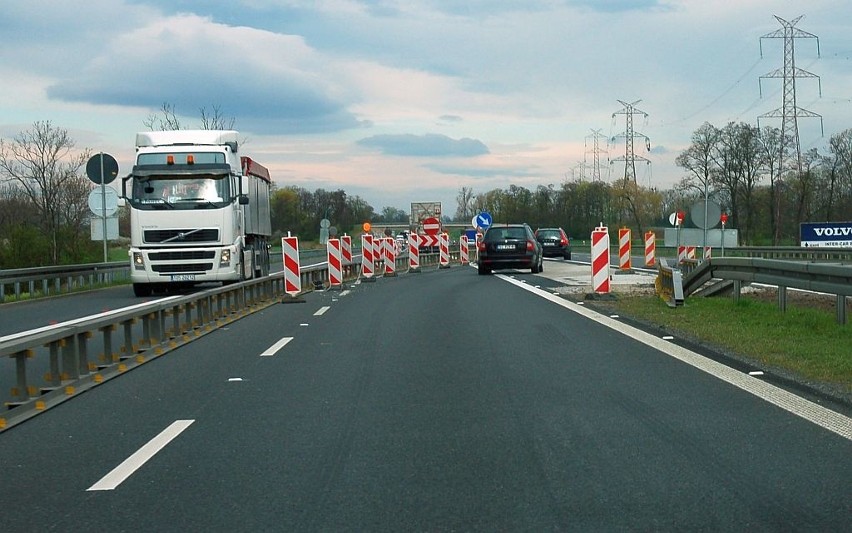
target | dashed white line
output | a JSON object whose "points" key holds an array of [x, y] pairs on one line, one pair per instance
{"points": [[272, 350], [321, 311], [130, 465]]}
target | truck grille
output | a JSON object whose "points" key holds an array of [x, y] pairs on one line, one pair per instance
{"points": [[186, 255], [181, 235], [182, 268]]}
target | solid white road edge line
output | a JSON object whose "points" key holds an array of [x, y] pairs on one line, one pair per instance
{"points": [[135, 461], [275, 347], [815, 413]]}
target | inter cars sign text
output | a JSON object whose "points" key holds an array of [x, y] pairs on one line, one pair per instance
{"points": [[832, 234]]}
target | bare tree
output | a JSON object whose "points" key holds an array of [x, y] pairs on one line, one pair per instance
{"points": [[770, 140], [839, 164], [166, 121], [43, 162], [464, 199], [698, 158], [213, 120]]}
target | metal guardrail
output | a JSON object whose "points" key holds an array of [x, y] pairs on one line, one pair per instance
{"points": [[131, 337], [55, 280], [793, 253], [39, 282], [669, 284], [827, 278]]}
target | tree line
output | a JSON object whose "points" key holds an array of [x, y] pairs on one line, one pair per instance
{"points": [[738, 166], [44, 216]]}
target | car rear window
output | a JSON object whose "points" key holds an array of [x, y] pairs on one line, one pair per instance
{"points": [[499, 234], [549, 233]]}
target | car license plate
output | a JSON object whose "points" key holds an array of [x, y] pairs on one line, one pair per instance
{"points": [[183, 277], [505, 246], [549, 243]]}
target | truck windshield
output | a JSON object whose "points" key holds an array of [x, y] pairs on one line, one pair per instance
{"points": [[170, 192]]}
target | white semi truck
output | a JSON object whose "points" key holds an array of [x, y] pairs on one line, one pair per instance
{"points": [[199, 212]]}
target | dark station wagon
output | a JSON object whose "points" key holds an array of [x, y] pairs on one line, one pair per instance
{"points": [[554, 242], [509, 246]]}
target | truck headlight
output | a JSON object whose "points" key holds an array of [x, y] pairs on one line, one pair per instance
{"points": [[138, 261], [226, 257]]}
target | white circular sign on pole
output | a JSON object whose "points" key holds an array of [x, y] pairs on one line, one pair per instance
{"points": [[99, 199]]}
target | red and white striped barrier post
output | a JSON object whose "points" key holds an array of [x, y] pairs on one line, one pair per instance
{"points": [[600, 260], [413, 252], [292, 269], [390, 256], [335, 268], [708, 252], [367, 260], [684, 253], [346, 250], [444, 248], [378, 253], [624, 248], [650, 248], [463, 252]]}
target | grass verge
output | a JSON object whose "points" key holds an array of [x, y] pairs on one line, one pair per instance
{"points": [[804, 341]]}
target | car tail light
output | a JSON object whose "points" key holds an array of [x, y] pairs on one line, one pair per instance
{"points": [[564, 241], [480, 246], [530, 246]]}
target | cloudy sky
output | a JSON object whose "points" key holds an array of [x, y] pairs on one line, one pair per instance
{"points": [[401, 101]]}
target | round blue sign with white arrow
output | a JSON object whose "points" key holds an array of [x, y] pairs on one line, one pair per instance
{"points": [[483, 220]]}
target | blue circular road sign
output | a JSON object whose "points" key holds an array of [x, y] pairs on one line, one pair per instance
{"points": [[483, 220]]}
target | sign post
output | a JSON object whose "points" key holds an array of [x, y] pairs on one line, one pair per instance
{"points": [[102, 169], [723, 218]]}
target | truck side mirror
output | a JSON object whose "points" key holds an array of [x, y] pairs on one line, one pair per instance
{"points": [[244, 200]]}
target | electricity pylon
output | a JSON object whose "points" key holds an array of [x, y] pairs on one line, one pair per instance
{"points": [[791, 152], [596, 153], [630, 156]]}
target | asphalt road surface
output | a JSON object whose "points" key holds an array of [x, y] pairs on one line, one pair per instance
{"points": [[440, 401]]}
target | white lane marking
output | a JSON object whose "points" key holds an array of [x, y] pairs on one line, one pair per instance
{"points": [[810, 411], [275, 347], [234, 379], [14, 336], [321, 311], [130, 465], [304, 324], [755, 373], [668, 338]]}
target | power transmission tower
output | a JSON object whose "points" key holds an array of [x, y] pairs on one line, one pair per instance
{"points": [[791, 152], [630, 156], [596, 153]]}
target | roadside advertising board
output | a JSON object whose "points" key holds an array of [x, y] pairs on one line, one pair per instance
{"points": [[826, 234]]}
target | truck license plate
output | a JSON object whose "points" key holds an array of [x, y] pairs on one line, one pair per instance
{"points": [[183, 277]]}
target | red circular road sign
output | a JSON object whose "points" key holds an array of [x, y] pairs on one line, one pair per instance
{"points": [[431, 225]]}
